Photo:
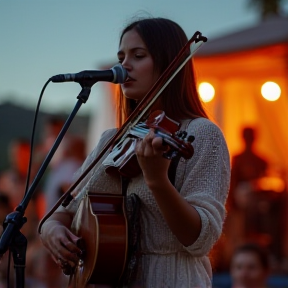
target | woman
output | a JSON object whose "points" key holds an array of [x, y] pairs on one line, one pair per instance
{"points": [[180, 222]]}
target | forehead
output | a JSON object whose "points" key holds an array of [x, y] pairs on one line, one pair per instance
{"points": [[246, 258], [131, 40]]}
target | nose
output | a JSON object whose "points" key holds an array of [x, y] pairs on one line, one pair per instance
{"points": [[126, 64]]}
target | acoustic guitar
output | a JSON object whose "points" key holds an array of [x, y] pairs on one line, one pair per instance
{"points": [[101, 223]]}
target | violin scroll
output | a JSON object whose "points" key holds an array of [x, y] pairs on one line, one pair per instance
{"points": [[178, 141], [183, 145], [158, 119]]}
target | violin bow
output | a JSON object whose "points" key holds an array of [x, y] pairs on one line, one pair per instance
{"points": [[167, 76]]}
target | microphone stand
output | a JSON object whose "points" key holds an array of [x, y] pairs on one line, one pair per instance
{"points": [[11, 237]]}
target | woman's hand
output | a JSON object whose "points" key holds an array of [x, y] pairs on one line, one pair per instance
{"points": [[149, 153], [61, 243], [187, 225]]}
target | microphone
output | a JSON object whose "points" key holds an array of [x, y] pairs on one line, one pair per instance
{"points": [[117, 74]]}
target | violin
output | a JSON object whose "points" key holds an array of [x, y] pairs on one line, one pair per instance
{"points": [[122, 159]]}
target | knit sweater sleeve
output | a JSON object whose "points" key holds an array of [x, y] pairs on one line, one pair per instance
{"points": [[105, 137], [206, 182]]}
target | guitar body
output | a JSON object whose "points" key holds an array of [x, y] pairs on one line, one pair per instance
{"points": [[101, 222]]}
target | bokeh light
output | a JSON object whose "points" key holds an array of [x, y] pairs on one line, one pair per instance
{"points": [[271, 91], [206, 91]]}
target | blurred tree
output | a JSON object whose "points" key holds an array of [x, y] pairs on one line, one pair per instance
{"points": [[267, 7]]}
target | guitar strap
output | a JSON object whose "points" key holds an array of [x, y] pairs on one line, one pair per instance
{"points": [[172, 169], [124, 185], [132, 212], [175, 161]]}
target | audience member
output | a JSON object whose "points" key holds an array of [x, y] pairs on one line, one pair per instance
{"points": [[13, 180], [5, 209], [247, 167], [61, 175], [49, 132], [52, 127], [249, 267]]}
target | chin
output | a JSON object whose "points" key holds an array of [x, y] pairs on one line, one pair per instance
{"points": [[132, 96]]}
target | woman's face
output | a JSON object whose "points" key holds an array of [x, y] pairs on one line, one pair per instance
{"points": [[136, 59]]}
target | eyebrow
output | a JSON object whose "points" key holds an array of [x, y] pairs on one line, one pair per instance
{"points": [[120, 52]]}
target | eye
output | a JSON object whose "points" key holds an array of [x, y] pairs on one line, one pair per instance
{"points": [[139, 55], [121, 56], [120, 59]]}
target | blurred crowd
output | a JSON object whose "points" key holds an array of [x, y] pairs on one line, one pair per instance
{"points": [[255, 208], [40, 270]]}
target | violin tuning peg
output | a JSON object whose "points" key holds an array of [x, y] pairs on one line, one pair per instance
{"points": [[190, 138], [178, 134], [184, 134], [181, 134]]}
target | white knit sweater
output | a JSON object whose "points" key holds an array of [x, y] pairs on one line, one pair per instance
{"points": [[203, 181]]}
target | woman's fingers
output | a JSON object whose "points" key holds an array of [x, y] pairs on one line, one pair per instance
{"points": [[63, 247], [151, 145], [69, 249], [72, 244], [159, 145], [63, 257]]}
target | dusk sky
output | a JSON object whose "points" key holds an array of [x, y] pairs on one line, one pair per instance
{"points": [[40, 39]]}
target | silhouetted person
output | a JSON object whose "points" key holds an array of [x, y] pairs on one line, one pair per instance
{"points": [[247, 167]]}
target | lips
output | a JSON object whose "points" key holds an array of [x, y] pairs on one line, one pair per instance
{"points": [[129, 79]]}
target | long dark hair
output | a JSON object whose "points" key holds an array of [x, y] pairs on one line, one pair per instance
{"points": [[164, 39]]}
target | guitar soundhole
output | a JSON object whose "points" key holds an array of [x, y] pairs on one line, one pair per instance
{"points": [[68, 270]]}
